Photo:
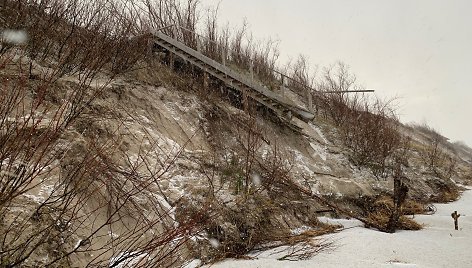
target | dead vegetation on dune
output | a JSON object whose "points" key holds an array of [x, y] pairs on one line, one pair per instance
{"points": [[64, 196], [382, 208], [248, 203], [82, 172]]}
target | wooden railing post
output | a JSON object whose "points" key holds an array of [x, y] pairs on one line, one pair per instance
{"points": [[282, 86], [251, 69], [223, 56], [206, 79], [175, 33], [310, 100], [171, 60], [199, 44]]}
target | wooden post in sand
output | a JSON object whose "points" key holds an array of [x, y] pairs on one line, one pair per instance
{"points": [[455, 216]]}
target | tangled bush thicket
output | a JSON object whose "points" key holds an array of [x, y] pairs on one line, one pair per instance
{"points": [[77, 187], [367, 126], [438, 154]]}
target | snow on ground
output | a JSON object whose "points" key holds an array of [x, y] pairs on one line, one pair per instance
{"points": [[319, 132], [437, 245]]}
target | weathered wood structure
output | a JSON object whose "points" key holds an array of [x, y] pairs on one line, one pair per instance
{"points": [[245, 85]]}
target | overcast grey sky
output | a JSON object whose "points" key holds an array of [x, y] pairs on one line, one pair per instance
{"points": [[418, 51]]}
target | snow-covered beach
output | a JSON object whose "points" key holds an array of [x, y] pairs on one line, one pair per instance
{"points": [[437, 245]]}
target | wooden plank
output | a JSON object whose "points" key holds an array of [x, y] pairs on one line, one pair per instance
{"points": [[221, 77]]}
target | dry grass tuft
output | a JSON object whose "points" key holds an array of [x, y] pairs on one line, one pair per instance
{"points": [[413, 207], [409, 224], [446, 192], [382, 219], [307, 235], [381, 210]]}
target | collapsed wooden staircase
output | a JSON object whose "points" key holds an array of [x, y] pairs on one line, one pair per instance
{"points": [[281, 106]]}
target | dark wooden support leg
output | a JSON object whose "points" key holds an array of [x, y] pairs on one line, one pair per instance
{"points": [[206, 80], [171, 60], [455, 216]]}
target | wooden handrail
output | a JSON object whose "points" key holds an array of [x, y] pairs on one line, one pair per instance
{"points": [[271, 69], [227, 74]]}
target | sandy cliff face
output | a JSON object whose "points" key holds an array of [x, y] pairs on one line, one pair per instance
{"points": [[187, 144]]}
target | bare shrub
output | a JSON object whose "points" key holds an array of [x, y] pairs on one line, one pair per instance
{"points": [[372, 135], [338, 79], [237, 46], [211, 34], [301, 79], [247, 223], [369, 128], [77, 37], [265, 57], [380, 211], [87, 201], [438, 155], [239, 50], [444, 191], [382, 218], [251, 203], [304, 250]]}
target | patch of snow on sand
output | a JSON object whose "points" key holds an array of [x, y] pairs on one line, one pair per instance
{"points": [[321, 151], [437, 245], [43, 193], [300, 161], [194, 264], [127, 259], [346, 223], [301, 230], [168, 209]]}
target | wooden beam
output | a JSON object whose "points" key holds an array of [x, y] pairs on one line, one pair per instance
{"points": [[346, 91], [224, 73]]}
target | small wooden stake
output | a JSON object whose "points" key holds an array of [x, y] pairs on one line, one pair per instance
{"points": [[455, 216]]}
